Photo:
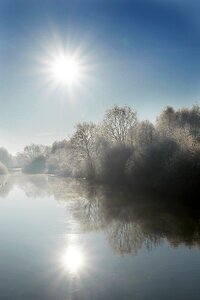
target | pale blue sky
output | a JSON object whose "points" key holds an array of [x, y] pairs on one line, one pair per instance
{"points": [[143, 53]]}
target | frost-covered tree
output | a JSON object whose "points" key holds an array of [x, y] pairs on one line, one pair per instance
{"points": [[118, 123]]}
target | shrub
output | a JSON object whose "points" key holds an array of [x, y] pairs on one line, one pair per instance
{"points": [[3, 169]]}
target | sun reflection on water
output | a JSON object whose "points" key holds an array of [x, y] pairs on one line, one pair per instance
{"points": [[73, 260]]}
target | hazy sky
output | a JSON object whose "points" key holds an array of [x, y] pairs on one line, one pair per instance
{"points": [[143, 53]]}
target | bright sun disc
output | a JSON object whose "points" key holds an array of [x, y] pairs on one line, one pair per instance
{"points": [[65, 69]]}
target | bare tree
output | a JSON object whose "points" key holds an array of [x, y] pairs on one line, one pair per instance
{"points": [[184, 118], [84, 143], [5, 157], [31, 152], [190, 119], [166, 122], [118, 122], [145, 133]]}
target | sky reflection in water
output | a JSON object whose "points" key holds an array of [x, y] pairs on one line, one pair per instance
{"points": [[68, 239]]}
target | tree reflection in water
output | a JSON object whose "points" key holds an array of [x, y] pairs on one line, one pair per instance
{"points": [[129, 221]]}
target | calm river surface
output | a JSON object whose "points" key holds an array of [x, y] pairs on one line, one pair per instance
{"points": [[63, 239]]}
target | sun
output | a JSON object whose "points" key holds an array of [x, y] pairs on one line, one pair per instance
{"points": [[65, 69]]}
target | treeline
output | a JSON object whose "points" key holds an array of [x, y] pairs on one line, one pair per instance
{"points": [[164, 156]]}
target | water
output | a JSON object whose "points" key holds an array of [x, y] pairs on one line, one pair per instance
{"points": [[68, 239]]}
